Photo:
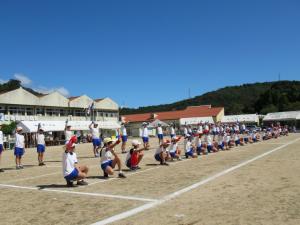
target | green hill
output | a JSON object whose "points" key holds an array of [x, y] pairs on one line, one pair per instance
{"points": [[247, 98], [15, 84]]}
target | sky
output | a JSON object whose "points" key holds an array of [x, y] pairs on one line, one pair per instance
{"points": [[147, 52]]}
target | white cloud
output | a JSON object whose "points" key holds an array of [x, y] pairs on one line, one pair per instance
{"points": [[24, 79], [63, 91]]}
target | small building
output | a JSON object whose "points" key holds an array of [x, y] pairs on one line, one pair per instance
{"points": [[291, 118], [248, 119], [191, 115]]}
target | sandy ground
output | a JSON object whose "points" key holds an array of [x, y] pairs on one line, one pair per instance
{"points": [[266, 191]]}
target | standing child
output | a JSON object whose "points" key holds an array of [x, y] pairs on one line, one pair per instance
{"points": [[1, 146], [108, 163], [71, 170], [124, 137], [172, 130], [19, 148], [40, 138], [68, 132], [95, 138], [145, 136], [160, 134], [134, 156]]}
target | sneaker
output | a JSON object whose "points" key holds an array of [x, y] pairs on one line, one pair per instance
{"points": [[43, 164], [122, 175], [96, 155], [124, 152], [82, 182], [21, 166], [18, 168], [1, 170], [138, 168], [164, 164], [40, 164], [70, 183], [105, 175]]}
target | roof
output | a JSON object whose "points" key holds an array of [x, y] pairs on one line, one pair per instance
{"points": [[246, 118], [191, 111], [73, 97], [98, 99]]}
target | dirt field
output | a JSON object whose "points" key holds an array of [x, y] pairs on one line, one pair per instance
{"points": [[253, 184]]}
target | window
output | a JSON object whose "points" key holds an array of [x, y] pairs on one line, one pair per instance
{"points": [[52, 112], [17, 111], [79, 112], [64, 112], [40, 111], [29, 111]]}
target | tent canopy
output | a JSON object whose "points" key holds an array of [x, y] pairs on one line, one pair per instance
{"points": [[246, 118], [156, 122], [196, 120], [32, 126], [282, 116]]}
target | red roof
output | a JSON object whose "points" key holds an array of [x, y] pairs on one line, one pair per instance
{"points": [[191, 111]]}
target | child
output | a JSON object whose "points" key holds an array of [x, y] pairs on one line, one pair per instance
{"points": [[71, 170], [174, 150], [19, 148], [161, 153], [68, 132], [40, 138], [172, 131], [95, 138], [134, 156], [189, 148], [145, 136], [124, 137], [108, 163], [198, 143], [160, 134], [221, 145], [210, 146], [1, 147]]}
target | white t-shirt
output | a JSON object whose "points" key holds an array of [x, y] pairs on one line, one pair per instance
{"points": [[145, 132], [173, 147], [220, 139], [95, 132], [172, 131], [198, 141], [200, 130], [185, 131], [123, 131], [159, 130], [68, 135], [1, 137], [68, 163], [228, 138], [208, 140], [160, 149], [106, 155], [187, 145], [20, 141], [40, 139], [206, 128]]}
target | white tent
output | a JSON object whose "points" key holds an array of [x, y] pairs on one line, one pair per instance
{"points": [[282, 116], [196, 120], [156, 122], [32, 126], [246, 118]]}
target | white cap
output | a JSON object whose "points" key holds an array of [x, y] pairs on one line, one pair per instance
{"points": [[135, 142]]}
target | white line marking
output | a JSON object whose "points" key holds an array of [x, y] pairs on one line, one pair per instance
{"points": [[80, 193], [187, 189]]}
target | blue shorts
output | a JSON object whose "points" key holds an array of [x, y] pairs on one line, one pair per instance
{"points": [[199, 148], [246, 140], [221, 146], [106, 164], [124, 138], [237, 142], [160, 136], [40, 148], [96, 142], [145, 139], [73, 175], [128, 163], [19, 151], [209, 148], [254, 139], [1, 148], [173, 154], [189, 153], [172, 135], [157, 157]]}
